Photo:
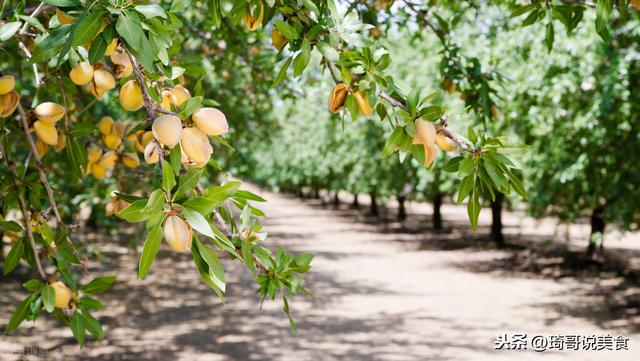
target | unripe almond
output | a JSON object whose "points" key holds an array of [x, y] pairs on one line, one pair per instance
{"points": [[63, 294], [108, 160], [63, 18], [196, 145], [41, 147], [105, 125], [151, 153], [82, 73], [337, 97], [131, 96], [124, 68], [112, 141], [179, 95], [177, 233], [98, 171], [49, 112], [46, 132], [103, 79], [254, 23], [425, 133], [7, 83], [445, 143], [210, 121], [111, 48], [94, 153], [167, 129], [8, 103], [363, 103], [130, 160]]}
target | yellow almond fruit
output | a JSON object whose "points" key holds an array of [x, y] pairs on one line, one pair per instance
{"points": [[98, 171], [46, 132], [495, 112], [337, 97], [445, 143], [7, 83], [151, 153], [103, 79], [97, 92], [131, 96], [61, 143], [63, 18], [130, 160], [8, 103], [144, 139], [425, 133], [254, 23], [41, 147], [210, 121], [63, 294], [166, 100], [196, 145], [108, 160], [119, 129], [177, 233], [111, 48], [94, 153], [179, 95], [449, 86], [430, 152], [124, 68], [363, 103], [82, 73], [167, 129], [105, 125], [49, 112], [111, 141], [278, 40]]}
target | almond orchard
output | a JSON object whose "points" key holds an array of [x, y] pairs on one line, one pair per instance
{"points": [[144, 111]]}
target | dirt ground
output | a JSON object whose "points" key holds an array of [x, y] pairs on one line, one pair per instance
{"points": [[383, 291]]}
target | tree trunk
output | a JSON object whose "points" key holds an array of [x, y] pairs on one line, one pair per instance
{"points": [[496, 224], [355, 204], [402, 212], [336, 199], [597, 226], [374, 205], [437, 216], [316, 193], [300, 193]]}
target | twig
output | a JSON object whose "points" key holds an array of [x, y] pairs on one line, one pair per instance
{"points": [[26, 214]]}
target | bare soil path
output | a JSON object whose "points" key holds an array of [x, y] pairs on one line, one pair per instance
{"points": [[379, 295]]}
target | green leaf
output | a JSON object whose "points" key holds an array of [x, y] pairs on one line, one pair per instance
{"points": [[99, 285], [203, 205], [188, 107], [11, 226], [198, 222], [603, 13], [203, 270], [151, 11], [151, 248], [134, 213], [473, 209], [466, 185], [130, 29], [282, 73], [549, 35], [19, 315], [89, 303], [63, 3], [285, 29], [9, 29], [168, 176], [223, 192], [156, 201], [14, 256], [179, 5], [77, 327], [189, 181], [303, 259], [87, 28], [215, 268], [32, 285], [92, 325], [49, 298], [302, 59], [96, 52]]}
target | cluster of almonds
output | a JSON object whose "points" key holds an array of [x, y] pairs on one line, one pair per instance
{"points": [[9, 98], [427, 135], [338, 97], [113, 136], [47, 115]]}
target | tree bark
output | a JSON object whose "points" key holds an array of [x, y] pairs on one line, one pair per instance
{"points": [[437, 216], [355, 204], [496, 224], [336, 199], [597, 226], [374, 205], [402, 212], [316, 193]]}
